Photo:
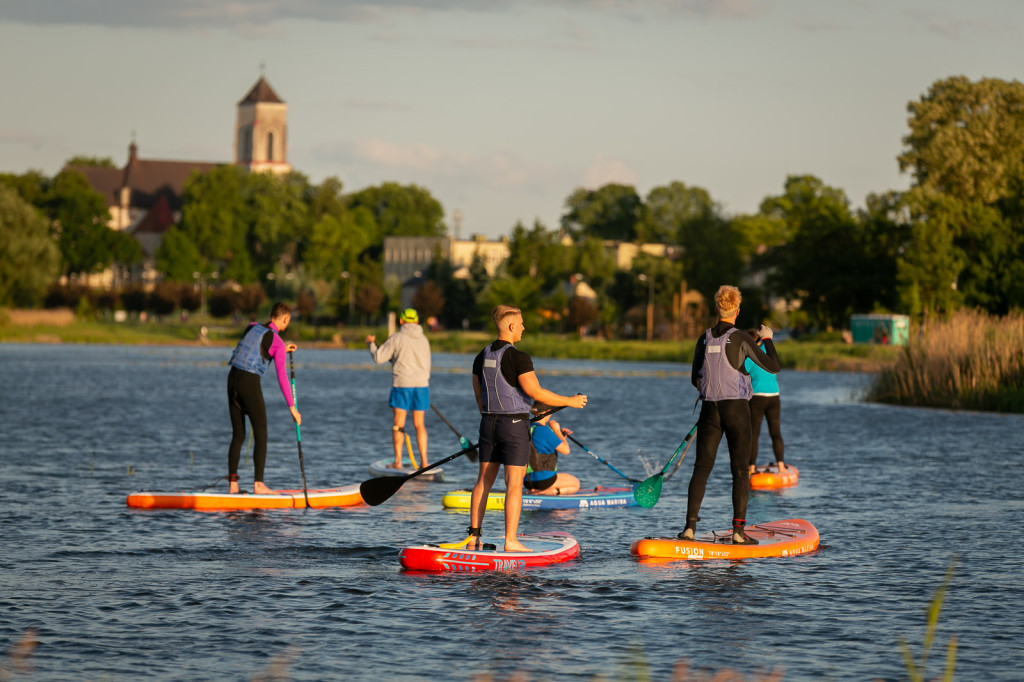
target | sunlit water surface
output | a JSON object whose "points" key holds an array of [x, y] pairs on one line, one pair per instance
{"points": [[116, 593]]}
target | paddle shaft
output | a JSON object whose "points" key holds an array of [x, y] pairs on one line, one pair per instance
{"points": [[298, 433], [602, 460], [463, 441], [689, 441]]}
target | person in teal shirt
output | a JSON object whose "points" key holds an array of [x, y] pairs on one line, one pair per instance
{"points": [[764, 403]]}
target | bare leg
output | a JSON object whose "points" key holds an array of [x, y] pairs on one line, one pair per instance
{"points": [[398, 435], [421, 435], [478, 501], [513, 508]]}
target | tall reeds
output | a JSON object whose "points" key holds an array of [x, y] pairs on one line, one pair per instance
{"points": [[971, 361]]}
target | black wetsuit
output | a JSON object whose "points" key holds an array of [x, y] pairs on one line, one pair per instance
{"points": [[245, 397], [730, 417]]}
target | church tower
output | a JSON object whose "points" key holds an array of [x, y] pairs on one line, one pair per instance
{"points": [[261, 130]]}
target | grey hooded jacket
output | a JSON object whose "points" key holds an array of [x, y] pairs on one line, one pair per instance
{"points": [[408, 350]]}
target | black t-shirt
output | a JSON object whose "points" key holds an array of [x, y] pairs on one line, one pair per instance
{"points": [[513, 363]]}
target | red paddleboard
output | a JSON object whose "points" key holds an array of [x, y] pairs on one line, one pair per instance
{"points": [[347, 496], [768, 478], [548, 548], [777, 538]]}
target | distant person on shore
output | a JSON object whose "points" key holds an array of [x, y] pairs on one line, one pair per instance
{"points": [[251, 358], [764, 404], [718, 373], [408, 351], [505, 386], [549, 440]]}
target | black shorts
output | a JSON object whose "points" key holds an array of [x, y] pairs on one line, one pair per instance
{"points": [[505, 439], [542, 484]]}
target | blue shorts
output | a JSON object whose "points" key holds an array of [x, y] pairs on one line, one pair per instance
{"points": [[505, 439], [410, 399]]}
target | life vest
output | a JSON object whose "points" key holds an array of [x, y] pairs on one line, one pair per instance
{"points": [[248, 354], [500, 397], [719, 380], [540, 466]]}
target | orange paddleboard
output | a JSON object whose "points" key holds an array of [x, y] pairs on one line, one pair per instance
{"points": [[777, 538], [768, 477], [347, 496]]}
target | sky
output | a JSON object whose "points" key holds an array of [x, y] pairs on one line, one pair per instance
{"points": [[502, 108]]}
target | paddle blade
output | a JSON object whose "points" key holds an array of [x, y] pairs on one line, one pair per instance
{"points": [[377, 490], [647, 493], [473, 454]]}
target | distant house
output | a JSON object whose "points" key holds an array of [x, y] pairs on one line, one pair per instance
{"points": [[145, 196]]}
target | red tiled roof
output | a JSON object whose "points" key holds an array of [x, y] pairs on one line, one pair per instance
{"points": [[149, 180], [262, 92], [106, 181], [158, 219]]}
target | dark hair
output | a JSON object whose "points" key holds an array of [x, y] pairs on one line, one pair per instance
{"points": [[280, 310]]}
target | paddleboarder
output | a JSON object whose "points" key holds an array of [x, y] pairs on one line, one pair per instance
{"points": [[718, 373], [505, 386], [408, 351], [251, 358], [764, 404], [549, 440]]}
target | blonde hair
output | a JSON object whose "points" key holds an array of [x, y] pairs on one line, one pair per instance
{"points": [[727, 300], [502, 311]]}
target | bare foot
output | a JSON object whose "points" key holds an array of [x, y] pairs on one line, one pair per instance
{"points": [[394, 466], [260, 489], [516, 547], [233, 487]]}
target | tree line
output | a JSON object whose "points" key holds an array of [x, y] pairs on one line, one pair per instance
{"points": [[952, 240]]}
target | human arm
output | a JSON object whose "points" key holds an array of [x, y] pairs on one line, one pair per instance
{"points": [[768, 358], [698, 362], [562, 433], [383, 353], [530, 385], [478, 392], [278, 352]]}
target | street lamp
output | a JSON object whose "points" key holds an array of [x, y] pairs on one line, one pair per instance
{"points": [[650, 303]]}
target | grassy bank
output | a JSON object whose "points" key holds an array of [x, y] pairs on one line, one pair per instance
{"points": [[813, 355], [971, 361]]}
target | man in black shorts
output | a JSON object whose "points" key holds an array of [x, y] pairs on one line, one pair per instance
{"points": [[505, 386]]}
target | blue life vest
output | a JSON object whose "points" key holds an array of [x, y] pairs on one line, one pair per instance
{"points": [[719, 380], [500, 397], [542, 465], [248, 354], [762, 382]]}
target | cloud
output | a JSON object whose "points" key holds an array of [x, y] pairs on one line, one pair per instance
{"points": [[956, 28], [604, 171]]}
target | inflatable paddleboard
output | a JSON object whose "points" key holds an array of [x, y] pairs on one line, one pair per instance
{"points": [[347, 496], [768, 478], [548, 548], [381, 468], [593, 498], [777, 538]]}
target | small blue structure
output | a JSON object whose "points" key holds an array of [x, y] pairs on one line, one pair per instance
{"points": [[882, 329]]}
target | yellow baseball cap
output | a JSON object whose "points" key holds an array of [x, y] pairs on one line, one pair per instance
{"points": [[410, 315]]}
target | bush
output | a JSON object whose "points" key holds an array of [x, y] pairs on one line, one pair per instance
{"points": [[165, 298], [222, 303]]}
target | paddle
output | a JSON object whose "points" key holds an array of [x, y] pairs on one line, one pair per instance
{"points": [[602, 460], [682, 456], [298, 433], [463, 441], [647, 493], [377, 490]]}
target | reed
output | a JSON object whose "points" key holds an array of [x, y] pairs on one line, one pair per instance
{"points": [[971, 361], [917, 668]]}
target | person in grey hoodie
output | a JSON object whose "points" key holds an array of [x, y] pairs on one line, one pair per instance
{"points": [[408, 351]]}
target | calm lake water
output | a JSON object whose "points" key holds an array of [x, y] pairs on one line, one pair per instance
{"points": [[120, 594]]}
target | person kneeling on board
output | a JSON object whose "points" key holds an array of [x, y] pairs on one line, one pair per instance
{"points": [[548, 440], [250, 360], [724, 385], [505, 386]]}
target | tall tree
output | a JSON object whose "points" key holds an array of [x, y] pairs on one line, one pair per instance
{"points": [[79, 215], [401, 210], [609, 212], [931, 263], [30, 260]]}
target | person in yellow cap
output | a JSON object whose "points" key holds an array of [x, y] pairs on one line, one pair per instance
{"points": [[408, 351]]}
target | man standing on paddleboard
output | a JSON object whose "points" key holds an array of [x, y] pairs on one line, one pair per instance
{"points": [[249, 361], [505, 386], [724, 385], [408, 351]]}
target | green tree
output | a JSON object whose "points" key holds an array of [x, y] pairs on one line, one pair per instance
{"points": [[30, 260], [215, 221], [339, 235], [79, 219], [609, 212], [277, 219], [538, 253], [401, 210], [521, 292], [96, 161]]}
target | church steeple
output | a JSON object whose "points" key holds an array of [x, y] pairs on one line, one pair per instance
{"points": [[261, 130]]}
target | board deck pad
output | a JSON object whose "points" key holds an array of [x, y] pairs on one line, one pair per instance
{"points": [[788, 537], [553, 547], [769, 478], [347, 496], [380, 468], [592, 498]]}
